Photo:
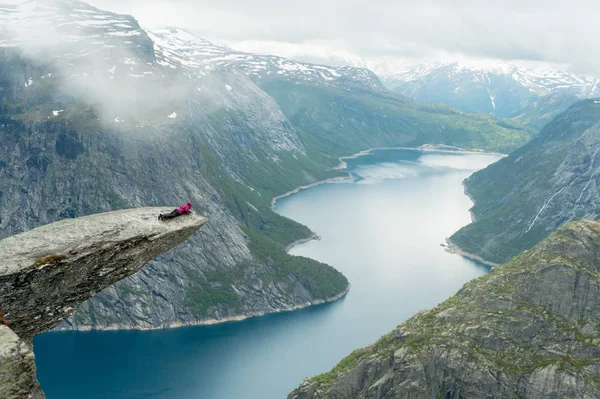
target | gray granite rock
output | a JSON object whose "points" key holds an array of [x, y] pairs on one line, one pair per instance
{"points": [[17, 368], [46, 273]]}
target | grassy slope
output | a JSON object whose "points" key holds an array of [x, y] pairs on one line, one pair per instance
{"points": [[268, 232], [334, 122]]}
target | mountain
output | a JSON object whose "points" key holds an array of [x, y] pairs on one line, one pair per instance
{"points": [[540, 111], [345, 103], [98, 114], [528, 329], [198, 51], [508, 90], [530, 92], [550, 181]]}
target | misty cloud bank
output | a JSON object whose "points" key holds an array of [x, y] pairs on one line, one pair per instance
{"points": [[100, 59], [539, 30]]}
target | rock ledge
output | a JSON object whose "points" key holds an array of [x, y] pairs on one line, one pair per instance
{"points": [[46, 273]]}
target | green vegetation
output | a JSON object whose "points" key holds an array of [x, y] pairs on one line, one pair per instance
{"points": [[486, 321], [50, 259], [321, 280], [510, 193], [348, 363], [334, 122], [213, 289], [268, 233]]}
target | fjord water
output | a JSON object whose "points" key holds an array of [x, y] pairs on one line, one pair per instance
{"points": [[382, 229]]}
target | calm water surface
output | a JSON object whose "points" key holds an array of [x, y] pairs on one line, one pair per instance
{"points": [[383, 230]]}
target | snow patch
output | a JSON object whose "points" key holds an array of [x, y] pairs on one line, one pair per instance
{"points": [[56, 113], [173, 115], [229, 88]]}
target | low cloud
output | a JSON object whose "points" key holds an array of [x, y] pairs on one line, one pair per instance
{"points": [[541, 30], [115, 74]]}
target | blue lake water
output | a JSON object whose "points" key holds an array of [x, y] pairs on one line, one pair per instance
{"points": [[383, 230]]}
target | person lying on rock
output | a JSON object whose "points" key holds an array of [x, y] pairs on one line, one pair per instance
{"points": [[185, 208], [3, 320]]}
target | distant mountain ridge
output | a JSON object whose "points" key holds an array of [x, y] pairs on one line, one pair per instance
{"points": [[538, 78], [531, 92], [261, 66]]}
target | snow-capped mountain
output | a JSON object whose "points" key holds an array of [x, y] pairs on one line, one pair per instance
{"points": [[74, 31], [539, 78], [258, 66], [506, 89], [500, 88], [98, 54]]}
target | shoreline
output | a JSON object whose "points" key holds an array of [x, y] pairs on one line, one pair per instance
{"points": [[307, 186], [210, 322], [343, 165], [313, 237], [455, 249], [468, 194], [452, 248]]}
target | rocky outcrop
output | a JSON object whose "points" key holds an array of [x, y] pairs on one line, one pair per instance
{"points": [[46, 273], [528, 329], [17, 368]]}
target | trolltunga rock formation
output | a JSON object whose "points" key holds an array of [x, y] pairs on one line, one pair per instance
{"points": [[46, 273]]}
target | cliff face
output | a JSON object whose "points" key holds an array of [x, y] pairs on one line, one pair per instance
{"points": [[17, 368], [526, 196], [528, 329], [46, 273]]}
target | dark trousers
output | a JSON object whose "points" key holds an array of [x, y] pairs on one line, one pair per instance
{"points": [[171, 215]]}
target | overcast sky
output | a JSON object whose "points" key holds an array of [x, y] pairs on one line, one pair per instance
{"points": [[560, 31]]}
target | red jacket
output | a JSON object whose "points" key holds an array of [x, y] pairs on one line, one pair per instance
{"points": [[186, 208]]}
